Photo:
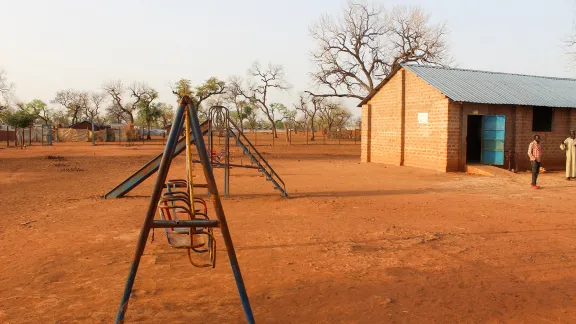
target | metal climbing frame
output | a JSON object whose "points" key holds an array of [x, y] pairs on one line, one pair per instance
{"points": [[150, 223], [219, 117], [221, 123]]}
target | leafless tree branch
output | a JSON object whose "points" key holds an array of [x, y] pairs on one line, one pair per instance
{"points": [[73, 102], [258, 88], [116, 91], [570, 46], [355, 52], [5, 91]]}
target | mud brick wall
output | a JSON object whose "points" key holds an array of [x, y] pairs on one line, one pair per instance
{"points": [[426, 145], [563, 120], [381, 140], [391, 133]]}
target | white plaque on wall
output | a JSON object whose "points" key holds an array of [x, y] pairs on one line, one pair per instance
{"points": [[423, 118]]}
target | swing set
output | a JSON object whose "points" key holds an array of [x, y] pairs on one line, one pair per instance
{"points": [[184, 215]]}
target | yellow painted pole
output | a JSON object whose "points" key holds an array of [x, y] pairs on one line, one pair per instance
{"points": [[189, 164]]}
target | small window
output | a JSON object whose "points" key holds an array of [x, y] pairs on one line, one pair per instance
{"points": [[542, 119]]}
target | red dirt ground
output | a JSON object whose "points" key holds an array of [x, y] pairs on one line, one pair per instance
{"points": [[356, 243]]}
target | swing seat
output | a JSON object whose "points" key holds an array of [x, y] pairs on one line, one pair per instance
{"points": [[173, 204], [182, 241], [180, 230]]}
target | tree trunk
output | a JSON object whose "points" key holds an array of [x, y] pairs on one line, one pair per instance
{"points": [[286, 130], [312, 128], [274, 133], [148, 135], [93, 135]]}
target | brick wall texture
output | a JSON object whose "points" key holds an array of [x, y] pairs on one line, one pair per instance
{"points": [[391, 133]]}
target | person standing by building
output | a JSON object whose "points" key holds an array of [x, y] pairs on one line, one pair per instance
{"points": [[569, 146], [535, 154]]}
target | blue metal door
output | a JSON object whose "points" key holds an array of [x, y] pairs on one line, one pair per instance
{"points": [[493, 129]]}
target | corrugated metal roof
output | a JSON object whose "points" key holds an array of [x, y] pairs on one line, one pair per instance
{"points": [[498, 88]]}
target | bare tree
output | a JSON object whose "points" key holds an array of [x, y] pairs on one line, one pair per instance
{"points": [[60, 117], [257, 91], [252, 119], [569, 43], [310, 112], [358, 50], [72, 101], [142, 94], [97, 100], [342, 118], [334, 114], [288, 118], [357, 122], [234, 97], [5, 91], [116, 91], [114, 114], [167, 114], [284, 113]]}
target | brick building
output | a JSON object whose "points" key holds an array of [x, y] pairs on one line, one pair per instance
{"points": [[444, 119]]}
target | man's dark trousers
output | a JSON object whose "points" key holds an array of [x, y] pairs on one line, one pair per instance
{"points": [[535, 171]]}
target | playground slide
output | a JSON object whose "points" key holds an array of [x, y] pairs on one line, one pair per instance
{"points": [[149, 169]]}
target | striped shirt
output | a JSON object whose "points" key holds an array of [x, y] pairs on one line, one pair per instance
{"points": [[535, 151]]}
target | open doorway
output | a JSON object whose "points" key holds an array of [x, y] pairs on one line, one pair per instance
{"points": [[474, 139]]}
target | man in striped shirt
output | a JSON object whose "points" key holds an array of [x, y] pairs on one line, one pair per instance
{"points": [[535, 154]]}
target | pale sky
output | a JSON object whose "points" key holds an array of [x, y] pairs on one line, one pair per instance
{"points": [[47, 46]]}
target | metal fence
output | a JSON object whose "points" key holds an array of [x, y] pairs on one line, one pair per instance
{"points": [[10, 136], [305, 137]]}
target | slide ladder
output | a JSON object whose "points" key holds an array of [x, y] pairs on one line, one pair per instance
{"points": [[257, 159]]}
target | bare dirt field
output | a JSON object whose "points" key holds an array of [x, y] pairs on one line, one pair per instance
{"points": [[355, 243]]}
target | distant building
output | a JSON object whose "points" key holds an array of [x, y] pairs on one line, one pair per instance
{"points": [[88, 125], [443, 118]]}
